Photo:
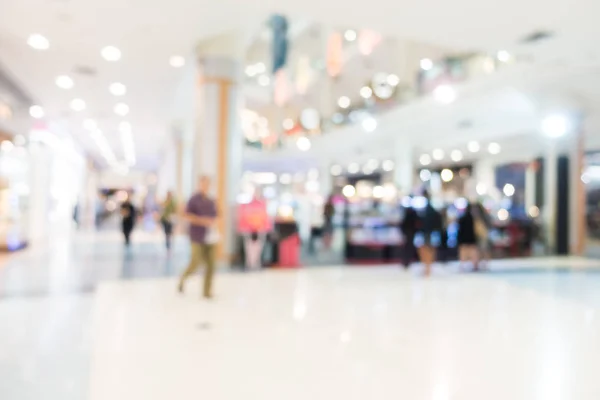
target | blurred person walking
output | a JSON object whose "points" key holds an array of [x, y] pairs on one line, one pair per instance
{"points": [[328, 213], [467, 238], [167, 217], [430, 225], [201, 214], [483, 225], [408, 227], [128, 214]]}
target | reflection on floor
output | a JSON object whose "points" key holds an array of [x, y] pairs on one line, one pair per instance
{"points": [[86, 320], [77, 265]]}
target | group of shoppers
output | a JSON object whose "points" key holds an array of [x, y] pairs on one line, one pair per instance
{"points": [[424, 230], [425, 235]]}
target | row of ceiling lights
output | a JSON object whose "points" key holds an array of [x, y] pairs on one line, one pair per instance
{"points": [[427, 64], [118, 89], [370, 167], [65, 82], [109, 53], [368, 123], [457, 155], [366, 92], [446, 94]]}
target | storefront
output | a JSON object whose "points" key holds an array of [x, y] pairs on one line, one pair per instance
{"points": [[14, 195]]}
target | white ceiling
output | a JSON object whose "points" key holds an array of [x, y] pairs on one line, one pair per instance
{"points": [[150, 31]]}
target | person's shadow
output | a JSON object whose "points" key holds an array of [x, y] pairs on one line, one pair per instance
{"points": [[127, 263], [149, 263]]}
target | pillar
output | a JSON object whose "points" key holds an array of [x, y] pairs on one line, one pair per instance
{"points": [[564, 194], [325, 182], [550, 195], [579, 200], [218, 139], [39, 183], [89, 198], [485, 176], [180, 171], [530, 186], [404, 170]]}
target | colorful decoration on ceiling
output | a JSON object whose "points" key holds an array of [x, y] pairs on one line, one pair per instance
{"points": [[367, 41], [335, 54], [279, 25]]}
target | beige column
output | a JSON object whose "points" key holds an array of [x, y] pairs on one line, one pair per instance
{"points": [[218, 138]]}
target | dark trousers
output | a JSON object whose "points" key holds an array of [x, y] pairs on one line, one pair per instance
{"points": [[127, 229], [168, 229]]}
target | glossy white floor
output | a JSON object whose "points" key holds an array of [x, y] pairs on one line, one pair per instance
{"points": [[527, 330], [343, 333]]}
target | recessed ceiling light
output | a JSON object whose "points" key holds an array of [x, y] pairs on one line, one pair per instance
{"points": [[555, 125], [366, 92], [90, 124], [344, 102], [77, 105], [473, 146], [353, 168], [336, 170], [456, 155], [425, 159], [121, 109], [177, 61], [438, 154], [38, 42], [350, 35], [388, 165], [494, 148], [117, 89], [111, 53], [426, 64], [36, 112], [372, 164], [64, 82]]}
